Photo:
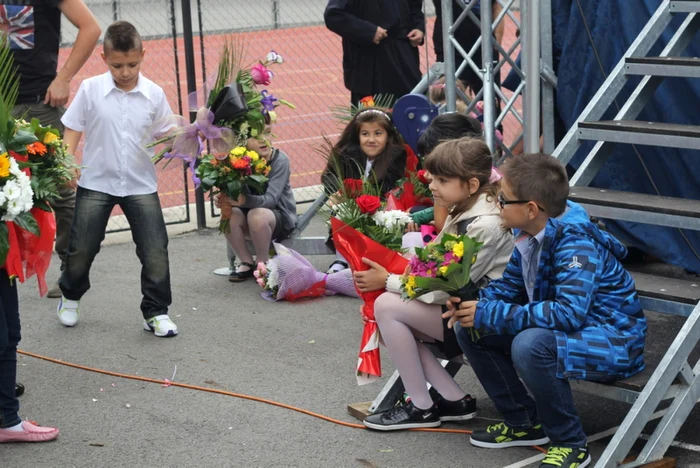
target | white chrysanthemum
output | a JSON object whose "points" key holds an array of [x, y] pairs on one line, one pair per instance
{"points": [[14, 168], [12, 190], [391, 219], [16, 197], [274, 275]]}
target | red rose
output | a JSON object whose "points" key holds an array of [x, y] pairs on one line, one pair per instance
{"points": [[353, 187], [368, 204], [421, 176]]}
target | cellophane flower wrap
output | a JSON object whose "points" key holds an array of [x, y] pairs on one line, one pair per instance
{"points": [[230, 175], [289, 276], [353, 245]]}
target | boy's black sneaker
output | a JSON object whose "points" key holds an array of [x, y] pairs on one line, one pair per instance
{"points": [[404, 415], [501, 435], [566, 457], [460, 410]]}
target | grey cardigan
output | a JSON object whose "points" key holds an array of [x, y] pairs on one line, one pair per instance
{"points": [[278, 191]]}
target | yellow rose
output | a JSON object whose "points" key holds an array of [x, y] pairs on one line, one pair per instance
{"points": [[238, 151], [458, 249], [4, 165], [49, 138], [252, 155]]}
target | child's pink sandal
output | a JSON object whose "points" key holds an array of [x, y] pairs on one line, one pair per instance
{"points": [[30, 433]]}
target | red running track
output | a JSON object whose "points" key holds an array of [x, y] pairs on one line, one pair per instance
{"points": [[311, 78]]}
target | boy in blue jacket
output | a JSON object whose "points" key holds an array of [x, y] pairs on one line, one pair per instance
{"points": [[564, 309]]}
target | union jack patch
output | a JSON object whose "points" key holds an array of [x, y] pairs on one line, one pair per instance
{"points": [[17, 22]]}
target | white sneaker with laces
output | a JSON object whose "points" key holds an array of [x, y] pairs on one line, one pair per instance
{"points": [[161, 326], [68, 311]]}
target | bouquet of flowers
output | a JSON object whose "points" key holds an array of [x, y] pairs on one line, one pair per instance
{"points": [[26, 232], [444, 265], [235, 111], [361, 229], [360, 209], [229, 174], [289, 276], [47, 157]]}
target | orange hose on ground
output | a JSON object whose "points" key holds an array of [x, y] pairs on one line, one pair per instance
{"points": [[232, 394]]}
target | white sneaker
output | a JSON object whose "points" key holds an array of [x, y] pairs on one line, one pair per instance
{"points": [[160, 325], [68, 311]]}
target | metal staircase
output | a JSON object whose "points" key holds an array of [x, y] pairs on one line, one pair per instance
{"points": [[673, 378]]}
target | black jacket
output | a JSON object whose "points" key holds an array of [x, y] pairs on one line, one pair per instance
{"points": [[393, 65]]}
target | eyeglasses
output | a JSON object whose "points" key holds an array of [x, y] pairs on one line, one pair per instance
{"points": [[502, 202]]}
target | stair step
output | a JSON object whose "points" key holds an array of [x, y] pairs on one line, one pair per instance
{"points": [[641, 133], [637, 207], [685, 67], [685, 6]]}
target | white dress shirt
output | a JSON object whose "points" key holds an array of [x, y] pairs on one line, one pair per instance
{"points": [[117, 125]]}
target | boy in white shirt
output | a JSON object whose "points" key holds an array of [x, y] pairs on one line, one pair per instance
{"points": [[116, 111]]}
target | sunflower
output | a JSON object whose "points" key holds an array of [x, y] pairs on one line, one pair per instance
{"points": [[4, 165]]}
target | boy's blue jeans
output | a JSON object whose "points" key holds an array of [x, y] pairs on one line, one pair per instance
{"points": [[501, 361], [145, 216], [9, 337]]}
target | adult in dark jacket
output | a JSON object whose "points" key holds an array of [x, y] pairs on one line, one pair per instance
{"points": [[380, 44]]}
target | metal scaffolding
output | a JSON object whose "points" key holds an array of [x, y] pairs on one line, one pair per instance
{"points": [[535, 45]]}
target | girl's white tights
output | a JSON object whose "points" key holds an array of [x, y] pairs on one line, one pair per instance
{"points": [[259, 225], [401, 323]]}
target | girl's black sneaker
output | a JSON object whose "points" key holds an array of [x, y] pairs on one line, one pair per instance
{"points": [[403, 416], [460, 410]]}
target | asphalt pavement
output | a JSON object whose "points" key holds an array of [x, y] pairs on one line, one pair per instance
{"points": [[301, 354]]}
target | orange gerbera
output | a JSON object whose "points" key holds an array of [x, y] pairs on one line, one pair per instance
{"points": [[37, 148], [241, 164]]}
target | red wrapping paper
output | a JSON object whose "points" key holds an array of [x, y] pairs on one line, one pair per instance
{"points": [[353, 246], [317, 289], [30, 255]]}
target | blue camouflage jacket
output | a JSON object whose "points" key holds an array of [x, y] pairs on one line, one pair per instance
{"points": [[582, 292]]}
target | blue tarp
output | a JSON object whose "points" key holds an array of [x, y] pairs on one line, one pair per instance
{"points": [[614, 25]]}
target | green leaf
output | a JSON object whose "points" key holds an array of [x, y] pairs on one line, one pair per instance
{"points": [[287, 103], [259, 178], [233, 188], [4, 242], [27, 222], [208, 183], [43, 205], [9, 87]]}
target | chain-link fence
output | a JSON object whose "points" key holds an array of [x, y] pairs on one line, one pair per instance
{"points": [[311, 77], [156, 20]]}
